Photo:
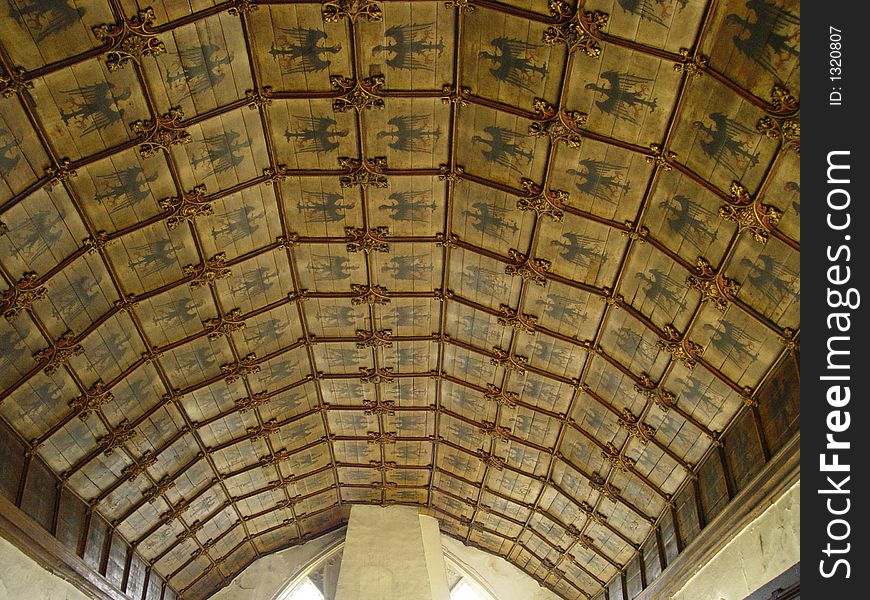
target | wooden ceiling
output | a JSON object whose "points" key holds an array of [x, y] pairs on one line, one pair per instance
{"points": [[517, 262]]}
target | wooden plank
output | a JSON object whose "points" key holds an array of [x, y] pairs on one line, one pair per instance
{"points": [[776, 477], [52, 555]]}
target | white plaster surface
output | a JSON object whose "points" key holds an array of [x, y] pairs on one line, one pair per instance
{"points": [[765, 548], [267, 576], [434, 557], [22, 578], [499, 578], [384, 557], [264, 578]]}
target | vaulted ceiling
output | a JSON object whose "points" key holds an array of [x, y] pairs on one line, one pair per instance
{"points": [[517, 262]]}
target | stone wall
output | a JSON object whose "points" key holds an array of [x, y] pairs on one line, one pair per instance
{"points": [[499, 578], [23, 578], [267, 576], [765, 548]]}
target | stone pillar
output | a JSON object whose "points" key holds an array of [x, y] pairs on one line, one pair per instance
{"points": [[392, 553]]}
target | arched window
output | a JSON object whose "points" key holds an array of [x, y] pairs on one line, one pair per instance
{"points": [[466, 590], [304, 590], [317, 581]]}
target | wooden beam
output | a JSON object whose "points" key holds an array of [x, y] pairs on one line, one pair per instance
{"points": [[766, 487], [34, 541]]}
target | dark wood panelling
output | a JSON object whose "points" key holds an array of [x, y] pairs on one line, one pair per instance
{"points": [[615, 591], [725, 471], [743, 452], [45, 549], [687, 514], [96, 543], [651, 561], [71, 519], [136, 578], [776, 477], [155, 587], [712, 487], [779, 404], [669, 537], [117, 560], [11, 463], [633, 578], [40, 494]]}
